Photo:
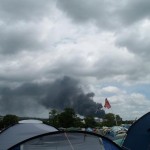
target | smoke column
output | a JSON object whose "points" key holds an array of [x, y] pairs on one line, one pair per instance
{"points": [[60, 94]]}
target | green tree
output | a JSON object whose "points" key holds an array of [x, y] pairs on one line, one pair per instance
{"points": [[110, 120], [1, 124], [78, 123], [119, 120], [53, 118], [67, 118], [90, 122], [9, 120], [53, 113]]}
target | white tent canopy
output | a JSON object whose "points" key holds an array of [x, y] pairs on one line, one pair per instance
{"points": [[30, 121]]}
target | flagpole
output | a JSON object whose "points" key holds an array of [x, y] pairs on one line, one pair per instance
{"points": [[107, 105], [115, 118]]}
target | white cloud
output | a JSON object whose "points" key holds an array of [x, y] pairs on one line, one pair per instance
{"points": [[110, 89]]}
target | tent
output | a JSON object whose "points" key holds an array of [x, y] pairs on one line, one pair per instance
{"points": [[23, 130], [116, 134], [138, 135], [67, 140]]}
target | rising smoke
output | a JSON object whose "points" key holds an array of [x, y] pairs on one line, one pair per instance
{"points": [[60, 94]]}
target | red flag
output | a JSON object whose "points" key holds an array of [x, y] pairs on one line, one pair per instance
{"points": [[107, 104]]}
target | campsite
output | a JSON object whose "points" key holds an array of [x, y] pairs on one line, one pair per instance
{"points": [[33, 134], [74, 74]]}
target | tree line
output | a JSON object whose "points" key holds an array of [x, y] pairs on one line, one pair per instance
{"points": [[68, 118], [8, 120]]}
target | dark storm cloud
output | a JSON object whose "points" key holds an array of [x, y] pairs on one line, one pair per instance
{"points": [[24, 10], [19, 37], [60, 94], [20, 24], [106, 14], [136, 41], [81, 11], [134, 11], [96, 11]]}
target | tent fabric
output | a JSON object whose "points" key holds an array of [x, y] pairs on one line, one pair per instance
{"points": [[21, 132], [109, 146], [138, 135], [79, 140]]}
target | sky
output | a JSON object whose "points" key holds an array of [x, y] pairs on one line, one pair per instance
{"points": [[88, 46]]}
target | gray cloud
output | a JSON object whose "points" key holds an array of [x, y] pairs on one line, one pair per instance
{"points": [[19, 37], [24, 10], [106, 14], [136, 46], [20, 25], [134, 11], [135, 41], [96, 11]]}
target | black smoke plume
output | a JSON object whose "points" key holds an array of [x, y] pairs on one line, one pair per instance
{"points": [[60, 94]]}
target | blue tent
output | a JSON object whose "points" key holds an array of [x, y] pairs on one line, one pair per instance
{"points": [[138, 135], [67, 140], [23, 131]]}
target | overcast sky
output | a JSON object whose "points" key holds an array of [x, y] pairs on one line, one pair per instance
{"points": [[102, 44]]}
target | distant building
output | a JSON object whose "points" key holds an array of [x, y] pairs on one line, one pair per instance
{"points": [[81, 117], [99, 120]]}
